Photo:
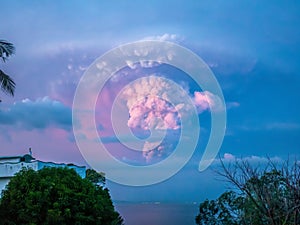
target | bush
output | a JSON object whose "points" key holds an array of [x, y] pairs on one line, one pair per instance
{"points": [[55, 196]]}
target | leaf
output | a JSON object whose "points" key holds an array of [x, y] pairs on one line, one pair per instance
{"points": [[7, 84], [6, 49]]}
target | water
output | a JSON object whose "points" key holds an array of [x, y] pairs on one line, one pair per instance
{"points": [[158, 213]]}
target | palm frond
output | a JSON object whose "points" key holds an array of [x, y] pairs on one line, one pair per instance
{"points": [[6, 49], [7, 84]]}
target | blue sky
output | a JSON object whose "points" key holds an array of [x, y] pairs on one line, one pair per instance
{"points": [[252, 47]]}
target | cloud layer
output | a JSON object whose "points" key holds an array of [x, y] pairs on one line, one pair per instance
{"points": [[39, 114]]}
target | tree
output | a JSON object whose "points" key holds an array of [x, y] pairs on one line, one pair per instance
{"points": [[97, 178], [6, 82], [226, 210], [268, 195], [55, 196]]}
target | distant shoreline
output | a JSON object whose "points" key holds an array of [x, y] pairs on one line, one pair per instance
{"points": [[155, 203]]}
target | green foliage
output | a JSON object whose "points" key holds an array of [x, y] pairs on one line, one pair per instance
{"points": [[95, 177], [268, 196], [6, 82], [55, 196], [223, 211]]}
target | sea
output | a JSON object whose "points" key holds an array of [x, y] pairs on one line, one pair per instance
{"points": [[157, 213]]}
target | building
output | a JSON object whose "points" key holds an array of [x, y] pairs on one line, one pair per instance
{"points": [[10, 165]]}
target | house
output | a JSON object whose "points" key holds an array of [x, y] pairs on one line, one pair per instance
{"points": [[10, 165]]}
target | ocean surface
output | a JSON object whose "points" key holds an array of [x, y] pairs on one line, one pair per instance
{"points": [[158, 213]]}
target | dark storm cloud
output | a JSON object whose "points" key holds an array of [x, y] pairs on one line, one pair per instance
{"points": [[39, 114]]}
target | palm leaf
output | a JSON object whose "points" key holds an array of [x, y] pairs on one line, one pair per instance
{"points": [[6, 49], [7, 84]]}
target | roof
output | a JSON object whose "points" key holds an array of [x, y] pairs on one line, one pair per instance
{"points": [[26, 157], [11, 157]]}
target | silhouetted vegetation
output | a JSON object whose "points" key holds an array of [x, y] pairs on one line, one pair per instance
{"points": [[7, 84], [56, 196], [97, 178], [260, 196]]}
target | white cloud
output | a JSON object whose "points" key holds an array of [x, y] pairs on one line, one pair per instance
{"points": [[252, 159], [166, 37], [230, 105], [150, 104], [207, 101], [282, 126], [153, 112], [279, 126], [228, 156]]}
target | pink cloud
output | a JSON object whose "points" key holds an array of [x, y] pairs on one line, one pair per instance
{"points": [[207, 101], [153, 112], [228, 156]]}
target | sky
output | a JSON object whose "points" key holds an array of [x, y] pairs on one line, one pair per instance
{"points": [[252, 48]]}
